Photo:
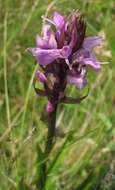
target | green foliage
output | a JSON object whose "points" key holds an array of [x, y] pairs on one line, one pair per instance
{"points": [[83, 157]]}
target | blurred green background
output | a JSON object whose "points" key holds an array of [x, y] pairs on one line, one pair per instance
{"points": [[84, 158]]}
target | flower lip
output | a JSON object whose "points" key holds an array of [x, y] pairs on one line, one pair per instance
{"points": [[79, 80], [47, 56], [86, 58]]}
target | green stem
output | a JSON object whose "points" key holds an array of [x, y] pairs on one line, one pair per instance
{"points": [[48, 148]]}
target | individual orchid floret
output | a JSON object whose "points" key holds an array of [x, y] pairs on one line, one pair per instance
{"points": [[78, 80], [64, 55], [86, 58]]}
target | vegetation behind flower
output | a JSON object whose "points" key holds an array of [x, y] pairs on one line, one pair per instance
{"points": [[87, 153]]}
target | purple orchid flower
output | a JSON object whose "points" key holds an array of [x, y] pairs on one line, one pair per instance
{"points": [[66, 54]]}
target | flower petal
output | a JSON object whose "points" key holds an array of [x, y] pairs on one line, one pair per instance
{"points": [[91, 42], [46, 30], [59, 20], [40, 42], [49, 107], [48, 41], [52, 42], [43, 56], [47, 56]]}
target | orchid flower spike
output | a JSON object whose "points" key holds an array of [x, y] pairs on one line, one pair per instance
{"points": [[64, 55]]}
